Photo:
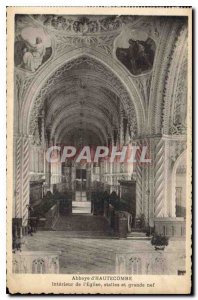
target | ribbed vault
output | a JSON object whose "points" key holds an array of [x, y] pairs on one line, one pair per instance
{"points": [[84, 106]]}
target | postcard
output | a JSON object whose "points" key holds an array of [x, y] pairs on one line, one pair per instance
{"points": [[99, 150]]}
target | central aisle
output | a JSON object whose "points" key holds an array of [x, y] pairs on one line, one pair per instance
{"points": [[81, 205], [82, 255], [83, 222]]}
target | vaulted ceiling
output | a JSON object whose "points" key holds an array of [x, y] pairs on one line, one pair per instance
{"points": [[82, 101], [82, 109]]}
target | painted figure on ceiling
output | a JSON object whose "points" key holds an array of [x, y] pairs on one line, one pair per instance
{"points": [[32, 57], [32, 45], [138, 57]]}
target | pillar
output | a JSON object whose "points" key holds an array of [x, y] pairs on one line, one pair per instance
{"points": [[25, 178], [22, 171]]}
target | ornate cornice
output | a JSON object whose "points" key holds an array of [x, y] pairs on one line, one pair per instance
{"points": [[78, 25]]}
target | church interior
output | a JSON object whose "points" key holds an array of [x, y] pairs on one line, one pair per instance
{"points": [[100, 81]]}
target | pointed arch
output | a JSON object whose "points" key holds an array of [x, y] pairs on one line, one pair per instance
{"points": [[130, 96]]}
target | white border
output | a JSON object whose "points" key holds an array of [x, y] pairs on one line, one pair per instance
{"points": [[3, 4]]}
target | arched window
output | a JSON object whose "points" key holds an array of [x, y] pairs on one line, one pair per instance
{"points": [[179, 186], [180, 190], [159, 266], [38, 266], [136, 265]]}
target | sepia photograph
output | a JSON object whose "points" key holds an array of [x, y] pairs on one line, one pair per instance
{"points": [[99, 105]]}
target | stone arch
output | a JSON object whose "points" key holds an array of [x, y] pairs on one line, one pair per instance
{"points": [[33, 95], [176, 88], [129, 90], [165, 65], [176, 85]]}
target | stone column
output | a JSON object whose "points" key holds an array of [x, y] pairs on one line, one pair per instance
{"points": [[138, 171], [25, 178], [17, 180], [22, 177], [149, 191], [159, 178]]}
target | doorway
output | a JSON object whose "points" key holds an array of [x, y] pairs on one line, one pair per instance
{"points": [[81, 180], [81, 205]]}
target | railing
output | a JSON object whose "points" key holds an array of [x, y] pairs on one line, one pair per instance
{"points": [[36, 262], [171, 227], [150, 262]]}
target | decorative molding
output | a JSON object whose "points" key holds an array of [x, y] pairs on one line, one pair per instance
{"points": [[78, 25], [103, 43], [23, 81], [164, 55], [179, 111], [143, 84], [175, 91]]}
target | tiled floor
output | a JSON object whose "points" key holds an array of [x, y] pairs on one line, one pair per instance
{"points": [[87, 255]]}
